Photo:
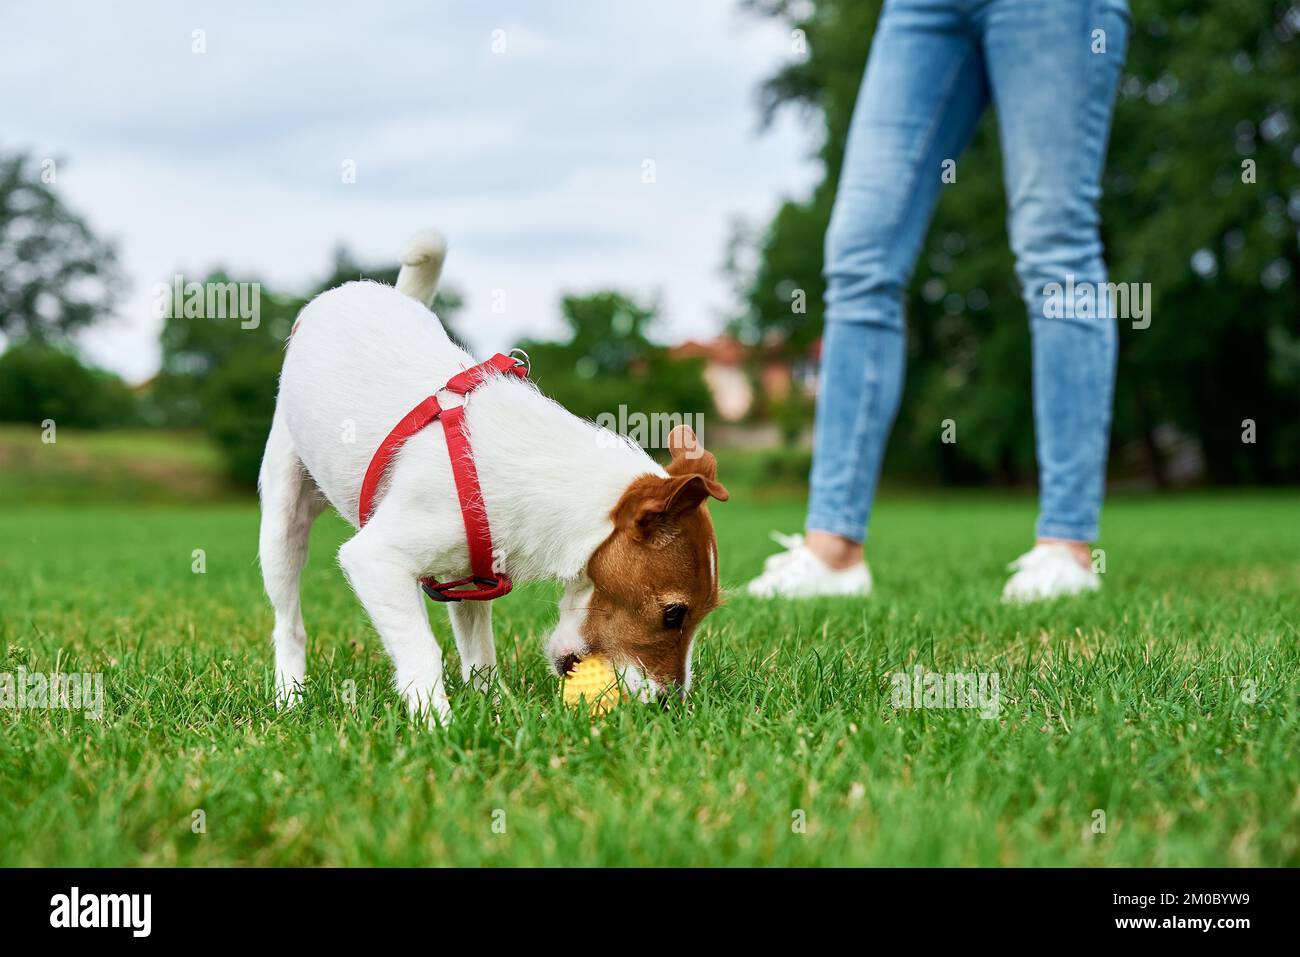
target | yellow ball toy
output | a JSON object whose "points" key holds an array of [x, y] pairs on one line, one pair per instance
{"points": [[595, 680]]}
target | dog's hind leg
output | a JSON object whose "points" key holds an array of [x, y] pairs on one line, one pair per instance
{"points": [[290, 503], [471, 622]]}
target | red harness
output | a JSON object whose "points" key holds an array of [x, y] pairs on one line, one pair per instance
{"points": [[486, 583]]}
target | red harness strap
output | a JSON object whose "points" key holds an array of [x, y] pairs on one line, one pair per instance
{"points": [[486, 584]]}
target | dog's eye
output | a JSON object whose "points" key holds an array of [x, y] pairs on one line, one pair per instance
{"points": [[674, 615]]}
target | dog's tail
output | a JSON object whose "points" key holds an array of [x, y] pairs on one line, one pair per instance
{"points": [[422, 265]]}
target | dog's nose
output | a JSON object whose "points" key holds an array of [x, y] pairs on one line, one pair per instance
{"points": [[565, 664]]}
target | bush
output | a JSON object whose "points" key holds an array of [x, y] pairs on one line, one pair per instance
{"points": [[239, 399], [39, 382]]}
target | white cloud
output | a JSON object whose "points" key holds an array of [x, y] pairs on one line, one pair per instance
{"points": [[530, 160]]}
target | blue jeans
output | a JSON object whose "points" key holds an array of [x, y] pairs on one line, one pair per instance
{"points": [[934, 67]]}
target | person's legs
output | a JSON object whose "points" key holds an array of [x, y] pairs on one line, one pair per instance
{"points": [[861, 372], [922, 94], [1053, 70]]}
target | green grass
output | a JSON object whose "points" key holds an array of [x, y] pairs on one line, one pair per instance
{"points": [[1168, 702], [80, 466]]}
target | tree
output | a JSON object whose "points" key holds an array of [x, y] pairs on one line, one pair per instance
{"points": [[56, 277], [608, 362]]}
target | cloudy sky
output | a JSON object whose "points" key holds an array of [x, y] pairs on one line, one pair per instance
{"points": [[529, 156]]}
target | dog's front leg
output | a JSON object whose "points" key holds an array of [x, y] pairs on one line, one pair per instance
{"points": [[471, 622], [385, 581]]}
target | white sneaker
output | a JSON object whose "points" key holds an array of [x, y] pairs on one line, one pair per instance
{"points": [[791, 545], [798, 573], [1048, 571]]}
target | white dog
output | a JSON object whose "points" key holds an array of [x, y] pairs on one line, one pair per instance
{"points": [[631, 541]]}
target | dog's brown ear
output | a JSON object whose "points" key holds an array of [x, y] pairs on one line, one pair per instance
{"points": [[652, 503], [690, 457]]}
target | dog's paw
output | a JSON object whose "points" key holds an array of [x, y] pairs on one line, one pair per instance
{"points": [[287, 695], [430, 706], [482, 678]]}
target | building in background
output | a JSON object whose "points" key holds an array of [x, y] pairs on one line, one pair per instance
{"points": [[746, 381]]}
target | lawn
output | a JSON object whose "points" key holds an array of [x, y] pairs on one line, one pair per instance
{"points": [[1155, 723], [155, 465]]}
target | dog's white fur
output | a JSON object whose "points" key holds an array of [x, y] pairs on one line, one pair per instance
{"points": [[360, 358]]}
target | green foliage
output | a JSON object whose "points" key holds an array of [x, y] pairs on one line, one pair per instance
{"points": [[793, 415], [221, 374], [608, 362], [55, 276], [240, 399], [1206, 89], [1206, 95], [764, 473], [201, 355], [39, 382]]}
